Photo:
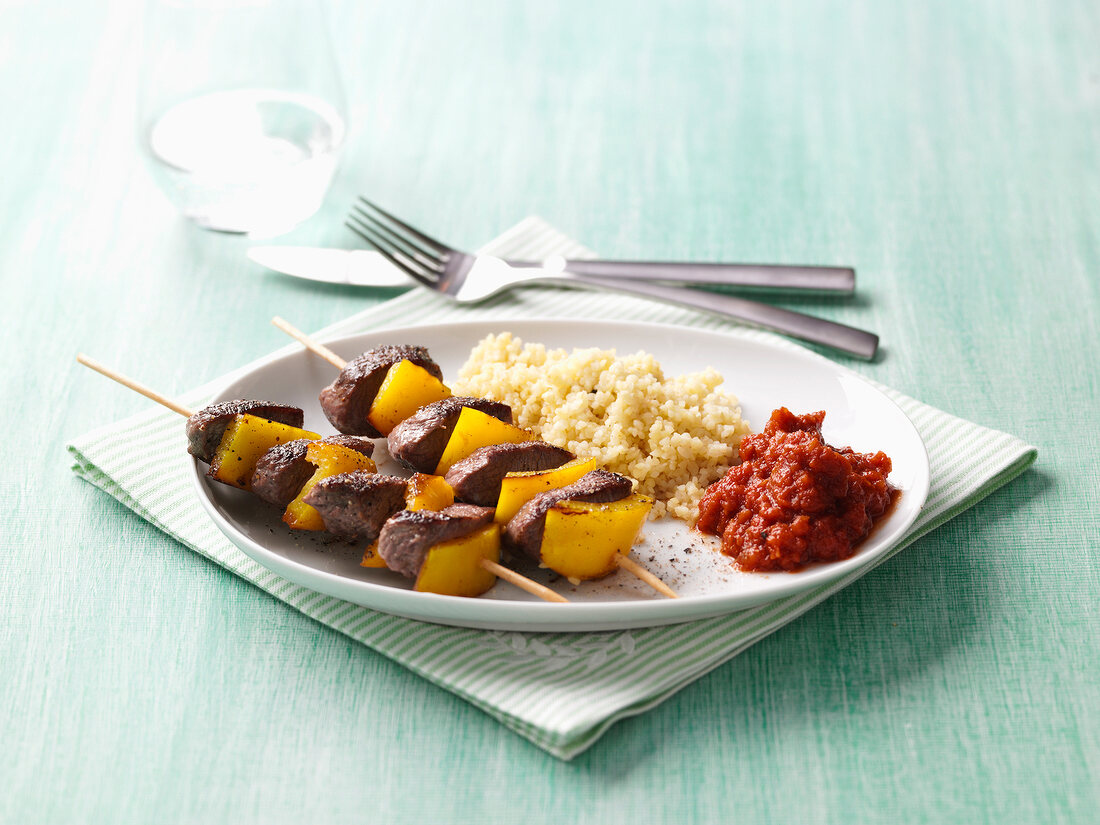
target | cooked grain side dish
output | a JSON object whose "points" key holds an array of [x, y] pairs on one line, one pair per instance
{"points": [[674, 435]]}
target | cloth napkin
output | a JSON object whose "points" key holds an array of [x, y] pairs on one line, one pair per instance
{"points": [[559, 690]]}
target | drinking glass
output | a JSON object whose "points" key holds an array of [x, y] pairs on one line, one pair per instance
{"points": [[241, 111]]}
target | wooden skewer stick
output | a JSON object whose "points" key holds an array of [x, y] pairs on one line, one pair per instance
{"points": [[309, 343], [625, 562], [629, 565], [522, 582], [132, 384]]}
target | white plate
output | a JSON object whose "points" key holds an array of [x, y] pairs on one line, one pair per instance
{"points": [[761, 375]]}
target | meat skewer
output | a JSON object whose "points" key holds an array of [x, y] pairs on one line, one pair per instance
{"points": [[511, 576], [622, 559]]}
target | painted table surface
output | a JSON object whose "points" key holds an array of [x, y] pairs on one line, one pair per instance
{"points": [[948, 150]]}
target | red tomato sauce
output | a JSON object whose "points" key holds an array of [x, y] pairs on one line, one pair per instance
{"points": [[794, 500]]}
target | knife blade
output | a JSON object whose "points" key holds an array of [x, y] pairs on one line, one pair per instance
{"points": [[360, 267], [354, 267]]}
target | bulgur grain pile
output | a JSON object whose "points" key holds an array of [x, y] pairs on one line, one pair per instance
{"points": [[673, 435]]}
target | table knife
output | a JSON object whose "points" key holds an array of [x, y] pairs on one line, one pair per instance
{"points": [[359, 267]]}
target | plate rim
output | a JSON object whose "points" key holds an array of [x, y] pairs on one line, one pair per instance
{"points": [[498, 614]]}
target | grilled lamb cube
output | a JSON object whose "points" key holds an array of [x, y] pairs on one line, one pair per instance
{"points": [[346, 402], [355, 505]]}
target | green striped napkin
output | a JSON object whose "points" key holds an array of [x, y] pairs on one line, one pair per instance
{"points": [[561, 691]]}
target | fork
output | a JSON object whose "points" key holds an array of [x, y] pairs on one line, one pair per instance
{"points": [[468, 278]]}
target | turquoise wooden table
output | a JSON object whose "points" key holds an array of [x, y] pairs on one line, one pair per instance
{"points": [[947, 150]]}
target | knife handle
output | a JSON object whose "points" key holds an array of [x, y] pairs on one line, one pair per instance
{"points": [[832, 279], [851, 340]]}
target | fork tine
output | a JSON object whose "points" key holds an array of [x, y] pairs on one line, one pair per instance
{"points": [[409, 247], [394, 256], [438, 247]]}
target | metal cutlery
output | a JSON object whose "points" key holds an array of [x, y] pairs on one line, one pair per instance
{"points": [[468, 278], [361, 267]]}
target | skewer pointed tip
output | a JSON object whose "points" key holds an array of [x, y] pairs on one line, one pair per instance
{"points": [[629, 565]]}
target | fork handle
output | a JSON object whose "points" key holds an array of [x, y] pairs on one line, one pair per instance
{"points": [[760, 276], [851, 340]]}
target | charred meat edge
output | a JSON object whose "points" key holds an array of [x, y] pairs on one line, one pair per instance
{"points": [[408, 535], [524, 531], [206, 427], [347, 400]]}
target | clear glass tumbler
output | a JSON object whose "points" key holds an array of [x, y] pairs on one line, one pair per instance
{"points": [[241, 112]]}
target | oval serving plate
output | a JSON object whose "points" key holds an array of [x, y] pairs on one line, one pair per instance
{"points": [[762, 374]]}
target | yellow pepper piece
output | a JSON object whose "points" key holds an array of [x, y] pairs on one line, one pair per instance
{"points": [[582, 540], [331, 459], [426, 492], [474, 430], [246, 439], [519, 488], [452, 568], [371, 557], [405, 389]]}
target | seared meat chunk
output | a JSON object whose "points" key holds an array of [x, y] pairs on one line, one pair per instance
{"points": [[206, 427], [478, 477], [419, 440], [347, 400], [355, 505], [524, 531], [409, 534], [283, 470]]}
